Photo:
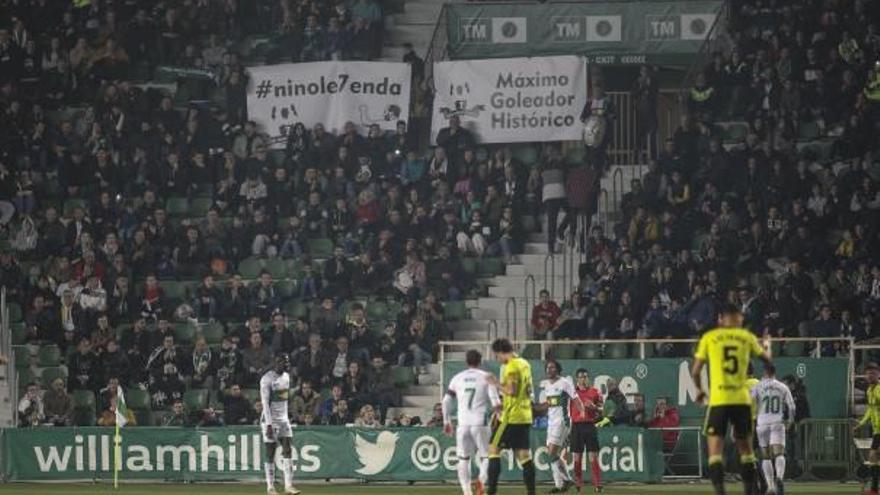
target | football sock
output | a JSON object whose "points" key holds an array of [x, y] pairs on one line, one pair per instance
{"points": [[780, 467], [716, 473], [558, 477], [464, 475], [767, 467], [494, 472], [270, 474], [484, 470], [579, 470], [596, 471], [875, 476], [528, 468], [287, 469], [749, 474]]}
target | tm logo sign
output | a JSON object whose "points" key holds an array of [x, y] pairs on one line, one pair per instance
{"points": [[659, 28], [475, 30]]}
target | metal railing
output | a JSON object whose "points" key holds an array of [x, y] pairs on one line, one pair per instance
{"points": [[641, 344], [529, 303], [492, 325], [677, 459], [6, 350], [511, 302], [549, 260]]}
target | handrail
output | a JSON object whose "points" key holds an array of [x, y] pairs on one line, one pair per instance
{"points": [[493, 324], [817, 340], [534, 299], [6, 350], [617, 193], [552, 274], [507, 314]]}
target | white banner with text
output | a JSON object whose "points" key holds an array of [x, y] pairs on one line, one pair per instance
{"points": [[328, 93], [512, 99]]}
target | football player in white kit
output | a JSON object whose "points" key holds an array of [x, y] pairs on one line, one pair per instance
{"points": [[771, 395], [475, 401], [557, 392], [275, 424]]}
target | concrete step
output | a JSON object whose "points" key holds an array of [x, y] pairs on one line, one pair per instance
{"points": [[417, 34], [536, 269], [421, 412], [558, 290], [421, 401], [423, 390]]}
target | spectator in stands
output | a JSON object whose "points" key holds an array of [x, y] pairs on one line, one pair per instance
{"points": [[209, 418], [545, 316], [337, 393], [114, 362], [31, 408], [615, 404], [236, 408], [553, 196], [255, 359], [666, 417], [639, 416], [306, 401], [203, 365], [572, 321], [82, 367], [436, 420], [57, 404], [165, 366], [340, 415], [176, 416], [367, 418]]}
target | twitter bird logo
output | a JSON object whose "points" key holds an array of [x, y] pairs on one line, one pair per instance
{"points": [[375, 456]]}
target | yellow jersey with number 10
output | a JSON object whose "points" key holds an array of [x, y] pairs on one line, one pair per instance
{"points": [[517, 408], [728, 352]]}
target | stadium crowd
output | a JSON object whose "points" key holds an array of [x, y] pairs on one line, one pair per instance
{"points": [[766, 195], [169, 249]]}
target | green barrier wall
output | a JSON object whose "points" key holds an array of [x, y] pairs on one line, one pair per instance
{"points": [[237, 453]]}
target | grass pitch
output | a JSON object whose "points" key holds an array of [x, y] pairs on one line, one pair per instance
{"points": [[388, 489]]}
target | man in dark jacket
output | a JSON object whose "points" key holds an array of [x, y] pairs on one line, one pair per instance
{"points": [[237, 409]]}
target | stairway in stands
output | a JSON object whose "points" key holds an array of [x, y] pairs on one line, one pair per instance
{"points": [[414, 25], [418, 400]]}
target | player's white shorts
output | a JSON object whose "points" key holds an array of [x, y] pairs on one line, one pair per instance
{"points": [[772, 434], [280, 429], [558, 435], [470, 440]]}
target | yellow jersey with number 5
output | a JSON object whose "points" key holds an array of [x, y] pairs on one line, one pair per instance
{"points": [[728, 352], [517, 408]]}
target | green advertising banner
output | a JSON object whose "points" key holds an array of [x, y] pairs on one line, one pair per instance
{"points": [[237, 453], [826, 380], [605, 32]]}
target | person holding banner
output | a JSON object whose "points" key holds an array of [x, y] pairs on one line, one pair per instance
{"points": [[598, 115]]}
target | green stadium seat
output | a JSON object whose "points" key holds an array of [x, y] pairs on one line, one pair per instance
{"points": [[617, 351], [287, 288], [137, 399], [48, 375], [564, 351], [808, 131], [296, 309], [250, 268], [19, 333], [377, 310], [277, 267], [174, 289], [575, 155], [83, 408], [469, 265], [199, 207], [528, 155], [490, 267], [22, 356], [531, 351], [195, 400], [588, 351], [320, 248], [143, 417], [48, 355], [403, 376], [455, 310], [213, 332], [25, 376], [15, 313], [734, 132], [793, 349], [184, 333], [251, 394], [177, 206], [72, 204]]}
